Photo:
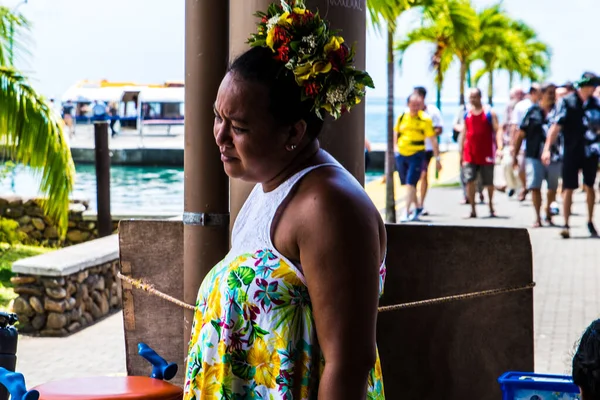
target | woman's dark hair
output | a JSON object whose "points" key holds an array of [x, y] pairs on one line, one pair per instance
{"points": [[586, 363], [285, 95]]}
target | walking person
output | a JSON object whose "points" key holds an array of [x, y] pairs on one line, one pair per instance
{"points": [[533, 131], [518, 114], [477, 149], [436, 118], [578, 117], [412, 130], [505, 142], [113, 113], [458, 127]]}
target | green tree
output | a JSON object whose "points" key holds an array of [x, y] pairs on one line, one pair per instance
{"points": [[535, 54], [510, 45], [30, 131], [446, 25], [384, 14]]}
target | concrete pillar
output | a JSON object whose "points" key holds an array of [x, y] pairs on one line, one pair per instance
{"points": [[344, 139], [242, 23], [206, 186]]}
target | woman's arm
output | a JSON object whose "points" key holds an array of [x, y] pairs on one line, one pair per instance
{"points": [[340, 253]]}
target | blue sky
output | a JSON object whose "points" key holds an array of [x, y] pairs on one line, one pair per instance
{"points": [[143, 41]]}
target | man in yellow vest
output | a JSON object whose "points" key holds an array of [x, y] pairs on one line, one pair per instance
{"points": [[412, 130]]}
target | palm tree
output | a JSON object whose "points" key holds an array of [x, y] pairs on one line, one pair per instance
{"points": [[446, 24], [511, 45], [386, 13], [536, 54], [496, 44], [30, 131]]}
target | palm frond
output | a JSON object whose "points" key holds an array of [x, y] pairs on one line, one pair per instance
{"points": [[14, 36], [32, 134]]}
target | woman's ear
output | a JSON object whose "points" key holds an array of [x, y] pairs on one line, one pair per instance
{"points": [[297, 133]]}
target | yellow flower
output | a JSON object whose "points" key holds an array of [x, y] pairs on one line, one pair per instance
{"points": [[357, 100], [334, 44], [285, 19], [208, 381], [309, 70], [327, 108], [286, 273], [265, 362], [299, 11], [221, 349], [213, 303], [271, 38]]}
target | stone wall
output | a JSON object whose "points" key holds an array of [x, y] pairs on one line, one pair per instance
{"points": [[41, 230], [57, 306]]}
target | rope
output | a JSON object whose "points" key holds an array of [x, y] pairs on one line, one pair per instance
{"points": [[150, 289], [465, 296], [139, 284]]}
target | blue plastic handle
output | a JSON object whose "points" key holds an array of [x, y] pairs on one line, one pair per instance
{"points": [[14, 382], [160, 368]]}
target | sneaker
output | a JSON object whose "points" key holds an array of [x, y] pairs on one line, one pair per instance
{"points": [[511, 192], [565, 233], [424, 212], [414, 216], [592, 229], [405, 218], [554, 210], [420, 211]]}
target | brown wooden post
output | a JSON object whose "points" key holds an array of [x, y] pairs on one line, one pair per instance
{"points": [[206, 187], [102, 161], [344, 139]]}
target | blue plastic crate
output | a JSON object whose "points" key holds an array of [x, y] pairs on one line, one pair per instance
{"points": [[529, 386]]}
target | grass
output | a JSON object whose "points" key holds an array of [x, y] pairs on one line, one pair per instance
{"points": [[8, 255], [446, 185]]}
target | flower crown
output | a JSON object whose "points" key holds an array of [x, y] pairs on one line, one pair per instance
{"points": [[318, 57]]}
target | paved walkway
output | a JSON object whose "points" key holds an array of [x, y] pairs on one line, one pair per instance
{"points": [[567, 297]]}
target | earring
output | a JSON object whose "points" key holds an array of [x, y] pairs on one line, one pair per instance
{"points": [[292, 147]]}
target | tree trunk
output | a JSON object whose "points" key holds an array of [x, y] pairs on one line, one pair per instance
{"points": [[491, 87], [438, 99], [511, 79], [463, 73], [390, 200]]}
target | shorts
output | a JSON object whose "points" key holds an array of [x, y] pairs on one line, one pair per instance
{"points": [[410, 167], [537, 172], [470, 172], [572, 166], [427, 160]]}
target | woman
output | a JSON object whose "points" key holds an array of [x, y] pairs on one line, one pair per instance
{"points": [[290, 312], [586, 363]]}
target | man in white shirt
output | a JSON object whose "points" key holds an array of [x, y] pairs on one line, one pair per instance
{"points": [[436, 117], [518, 114]]}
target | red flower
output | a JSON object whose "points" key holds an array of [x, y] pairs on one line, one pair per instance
{"points": [[283, 53], [264, 19], [344, 109], [311, 89], [281, 36], [338, 58]]}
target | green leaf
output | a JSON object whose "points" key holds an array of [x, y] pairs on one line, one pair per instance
{"points": [[215, 324], [240, 276], [259, 331], [240, 366]]}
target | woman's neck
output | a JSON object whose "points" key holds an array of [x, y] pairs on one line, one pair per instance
{"points": [[307, 156]]}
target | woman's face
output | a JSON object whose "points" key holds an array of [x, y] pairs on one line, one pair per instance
{"points": [[253, 146]]}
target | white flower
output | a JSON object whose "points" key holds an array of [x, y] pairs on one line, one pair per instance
{"points": [[336, 95], [272, 21], [311, 41]]}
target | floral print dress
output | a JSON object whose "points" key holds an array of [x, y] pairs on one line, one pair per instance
{"points": [[253, 334]]}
